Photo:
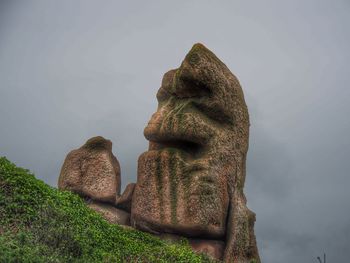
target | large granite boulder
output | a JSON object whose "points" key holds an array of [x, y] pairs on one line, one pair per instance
{"points": [[190, 181], [92, 171]]}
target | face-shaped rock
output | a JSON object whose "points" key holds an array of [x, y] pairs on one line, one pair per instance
{"points": [[198, 143]]}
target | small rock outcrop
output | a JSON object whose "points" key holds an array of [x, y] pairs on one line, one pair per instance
{"points": [[124, 201], [92, 171], [112, 214], [190, 181]]}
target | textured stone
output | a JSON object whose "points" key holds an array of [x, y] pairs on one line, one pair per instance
{"points": [[190, 181], [92, 171], [213, 248], [124, 201], [112, 214]]}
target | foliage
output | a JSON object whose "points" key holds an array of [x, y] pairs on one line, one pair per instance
{"points": [[39, 223]]}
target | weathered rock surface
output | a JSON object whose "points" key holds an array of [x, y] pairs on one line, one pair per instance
{"points": [[212, 248], [92, 171], [124, 201], [112, 214], [190, 181]]}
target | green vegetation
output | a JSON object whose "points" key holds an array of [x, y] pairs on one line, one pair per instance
{"points": [[38, 223]]}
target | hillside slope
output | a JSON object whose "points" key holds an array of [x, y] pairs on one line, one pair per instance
{"points": [[39, 223]]}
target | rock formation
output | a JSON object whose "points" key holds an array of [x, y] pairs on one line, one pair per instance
{"points": [[92, 171], [190, 181]]}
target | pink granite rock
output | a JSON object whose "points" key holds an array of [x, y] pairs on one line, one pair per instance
{"points": [[92, 171], [190, 181], [213, 248], [124, 201], [112, 214]]}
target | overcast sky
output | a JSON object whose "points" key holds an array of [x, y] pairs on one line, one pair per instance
{"points": [[70, 70]]}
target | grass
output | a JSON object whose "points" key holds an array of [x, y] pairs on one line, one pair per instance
{"points": [[39, 223]]}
